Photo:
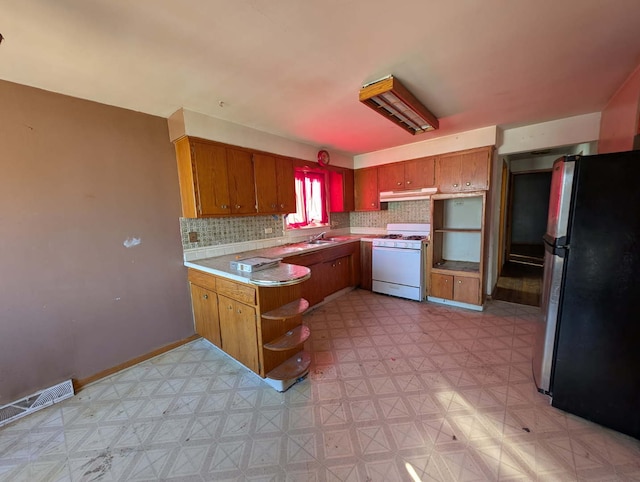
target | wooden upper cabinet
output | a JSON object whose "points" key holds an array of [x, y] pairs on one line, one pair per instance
{"points": [[419, 173], [464, 171], [202, 171], [242, 190], [391, 177], [413, 174], [341, 190], [367, 197], [285, 180], [275, 184]]}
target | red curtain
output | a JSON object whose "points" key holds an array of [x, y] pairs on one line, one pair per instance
{"points": [[311, 205]]}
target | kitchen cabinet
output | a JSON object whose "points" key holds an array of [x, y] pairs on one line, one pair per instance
{"points": [[332, 269], [261, 327], [215, 180], [456, 253], [366, 266], [412, 174], [464, 289], [367, 194], [205, 314], [464, 171], [238, 331], [341, 195], [275, 184], [242, 193]]}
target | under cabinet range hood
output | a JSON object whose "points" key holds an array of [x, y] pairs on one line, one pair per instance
{"points": [[408, 194]]}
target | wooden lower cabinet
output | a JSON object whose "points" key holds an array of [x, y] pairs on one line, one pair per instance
{"points": [[261, 327], [332, 269], [466, 290], [463, 289], [366, 267], [238, 331], [205, 314]]}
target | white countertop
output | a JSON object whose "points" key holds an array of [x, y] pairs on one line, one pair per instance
{"points": [[282, 275]]}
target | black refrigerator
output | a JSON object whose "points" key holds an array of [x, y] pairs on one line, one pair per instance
{"points": [[587, 352]]}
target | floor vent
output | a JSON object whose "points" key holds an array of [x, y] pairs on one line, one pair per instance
{"points": [[35, 402]]}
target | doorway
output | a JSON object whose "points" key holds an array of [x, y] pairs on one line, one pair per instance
{"points": [[527, 216], [520, 278]]}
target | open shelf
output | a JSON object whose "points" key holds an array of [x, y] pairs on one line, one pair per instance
{"points": [[295, 308], [466, 266], [292, 368], [290, 339]]}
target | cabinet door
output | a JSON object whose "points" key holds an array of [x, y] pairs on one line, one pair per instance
{"points": [[209, 164], [341, 273], [205, 314], [466, 290], [367, 196], [441, 286], [341, 190], [242, 194], [314, 289], [366, 251], [264, 169], [391, 177], [448, 173], [285, 180], [419, 173], [238, 331], [474, 168], [349, 201]]}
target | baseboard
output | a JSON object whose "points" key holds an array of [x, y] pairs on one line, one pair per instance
{"points": [[78, 384]]}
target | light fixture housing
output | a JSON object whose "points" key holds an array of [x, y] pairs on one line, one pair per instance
{"points": [[390, 98]]}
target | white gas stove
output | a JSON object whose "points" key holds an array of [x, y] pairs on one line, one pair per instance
{"points": [[398, 261]]}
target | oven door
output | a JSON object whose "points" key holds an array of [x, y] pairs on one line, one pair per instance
{"points": [[398, 272]]}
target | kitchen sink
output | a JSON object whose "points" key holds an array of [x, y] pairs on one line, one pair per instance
{"points": [[320, 241]]}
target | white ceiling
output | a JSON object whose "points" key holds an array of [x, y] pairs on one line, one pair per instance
{"points": [[294, 67]]}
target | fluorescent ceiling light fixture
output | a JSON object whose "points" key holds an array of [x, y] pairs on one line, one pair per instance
{"points": [[390, 98]]}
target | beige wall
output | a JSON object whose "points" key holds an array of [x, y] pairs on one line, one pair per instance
{"points": [[78, 180], [619, 123]]}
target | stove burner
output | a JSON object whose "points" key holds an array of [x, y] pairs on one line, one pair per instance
{"points": [[414, 238], [391, 236]]}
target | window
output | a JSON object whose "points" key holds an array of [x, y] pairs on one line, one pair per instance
{"points": [[311, 200]]}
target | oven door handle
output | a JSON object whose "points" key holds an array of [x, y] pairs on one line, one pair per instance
{"points": [[401, 250]]}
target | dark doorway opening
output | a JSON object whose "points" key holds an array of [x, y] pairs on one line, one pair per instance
{"points": [[520, 280], [527, 217]]}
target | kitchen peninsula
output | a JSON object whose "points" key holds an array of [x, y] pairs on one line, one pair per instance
{"points": [[256, 317]]}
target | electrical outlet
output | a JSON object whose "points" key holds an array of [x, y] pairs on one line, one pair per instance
{"points": [[268, 230], [193, 237]]}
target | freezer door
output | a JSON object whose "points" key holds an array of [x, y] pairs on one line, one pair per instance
{"points": [[560, 200], [546, 335]]}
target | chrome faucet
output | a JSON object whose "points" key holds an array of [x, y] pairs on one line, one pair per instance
{"points": [[318, 236]]}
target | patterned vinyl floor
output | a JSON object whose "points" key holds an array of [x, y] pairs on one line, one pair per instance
{"points": [[398, 390]]}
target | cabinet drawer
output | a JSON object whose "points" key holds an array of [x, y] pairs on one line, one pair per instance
{"points": [[236, 291], [202, 279]]}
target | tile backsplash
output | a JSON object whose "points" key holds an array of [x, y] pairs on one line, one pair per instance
{"points": [[225, 231], [216, 231], [398, 212]]}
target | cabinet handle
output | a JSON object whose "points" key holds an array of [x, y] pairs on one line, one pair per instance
{"points": [[459, 282], [239, 310], [399, 183], [408, 182], [206, 297], [455, 185], [468, 184], [273, 205], [229, 307], [237, 206], [224, 206]]}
